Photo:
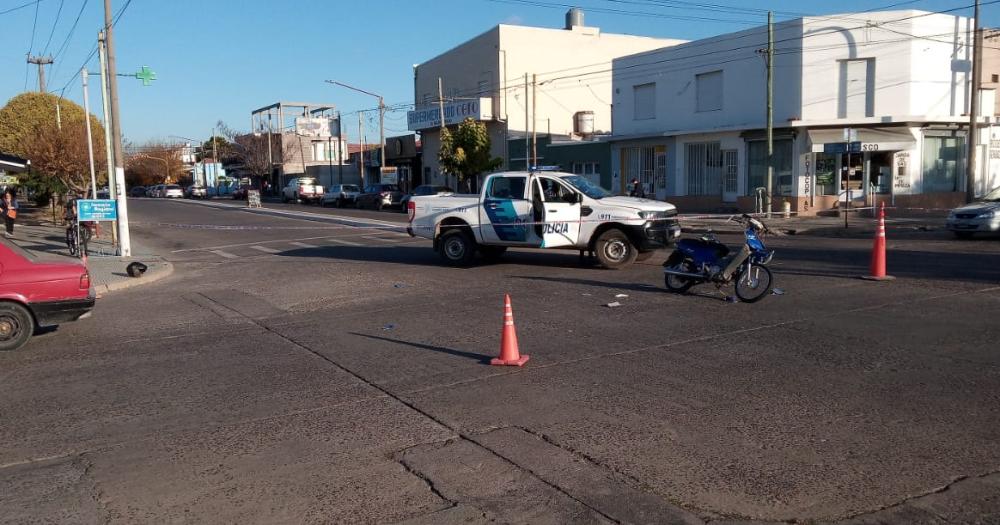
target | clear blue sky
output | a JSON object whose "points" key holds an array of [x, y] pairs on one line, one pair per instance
{"points": [[221, 59]]}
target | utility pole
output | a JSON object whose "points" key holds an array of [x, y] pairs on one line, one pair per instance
{"points": [[381, 135], [361, 152], [90, 138], [973, 140], [41, 62], [534, 120], [443, 127], [112, 187], [527, 128], [270, 158], [340, 153], [123, 230], [770, 110]]}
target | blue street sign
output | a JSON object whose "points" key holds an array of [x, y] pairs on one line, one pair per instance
{"points": [[96, 210], [841, 147]]}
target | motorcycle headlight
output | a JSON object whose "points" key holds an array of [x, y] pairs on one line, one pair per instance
{"points": [[987, 215]]}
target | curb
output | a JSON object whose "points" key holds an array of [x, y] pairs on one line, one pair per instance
{"points": [[166, 270]]}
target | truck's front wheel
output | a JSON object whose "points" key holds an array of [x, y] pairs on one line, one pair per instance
{"points": [[614, 250], [457, 247]]}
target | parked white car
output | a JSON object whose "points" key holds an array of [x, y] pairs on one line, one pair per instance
{"points": [[172, 191], [341, 195], [543, 210], [982, 216]]}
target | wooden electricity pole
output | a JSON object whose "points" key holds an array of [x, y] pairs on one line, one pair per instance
{"points": [[973, 140]]}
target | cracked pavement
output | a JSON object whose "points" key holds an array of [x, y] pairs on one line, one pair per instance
{"points": [[339, 376]]}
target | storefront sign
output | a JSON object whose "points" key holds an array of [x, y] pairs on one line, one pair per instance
{"points": [[994, 149], [97, 210], [842, 147], [389, 175], [322, 127], [900, 179], [454, 113]]}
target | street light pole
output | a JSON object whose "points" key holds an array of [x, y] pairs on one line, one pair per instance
{"points": [[90, 138], [381, 119]]}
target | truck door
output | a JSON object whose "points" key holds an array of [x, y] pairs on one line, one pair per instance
{"points": [[505, 212], [560, 207]]}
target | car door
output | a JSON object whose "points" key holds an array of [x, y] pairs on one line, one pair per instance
{"points": [[505, 213], [560, 212]]}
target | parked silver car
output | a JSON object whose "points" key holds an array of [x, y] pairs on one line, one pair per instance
{"points": [[978, 217], [172, 191], [341, 195]]}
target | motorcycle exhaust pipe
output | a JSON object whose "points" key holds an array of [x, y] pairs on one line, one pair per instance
{"points": [[683, 274]]}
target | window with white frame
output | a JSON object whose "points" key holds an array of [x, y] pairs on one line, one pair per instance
{"points": [[644, 96], [708, 88], [319, 151]]}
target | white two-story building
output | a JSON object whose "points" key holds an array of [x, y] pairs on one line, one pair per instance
{"points": [[689, 121]]}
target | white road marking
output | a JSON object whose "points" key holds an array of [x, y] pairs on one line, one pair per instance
{"points": [[265, 249], [303, 245], [345, 243], [380, 239], [227, 255]]}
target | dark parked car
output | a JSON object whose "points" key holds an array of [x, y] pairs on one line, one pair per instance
{"points": [[39, 294], [423, 191], [378, 196], [137, 191]]}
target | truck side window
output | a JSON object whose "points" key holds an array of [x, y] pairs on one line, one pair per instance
{"points": [[506, 188], [554, 191]]}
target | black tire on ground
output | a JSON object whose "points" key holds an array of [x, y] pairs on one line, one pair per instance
{"points": [[676, 283], [963, 235], [644, 256], [457, 247], [339, 203], [614, 250], [492, 253], [757, 287], [284, 199], [378, 205], [16, 326]]}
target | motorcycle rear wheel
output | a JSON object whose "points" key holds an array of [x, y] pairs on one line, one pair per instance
{"points": [[754, 286], [676, 283]]}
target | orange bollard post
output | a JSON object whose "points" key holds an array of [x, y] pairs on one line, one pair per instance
{"points": [[509, 354], [877, 270]]}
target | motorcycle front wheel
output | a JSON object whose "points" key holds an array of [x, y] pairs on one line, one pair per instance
{"points": [[753, 285], [676, 283]]}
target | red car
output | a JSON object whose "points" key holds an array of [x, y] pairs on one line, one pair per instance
{"points": [[39, 294]]}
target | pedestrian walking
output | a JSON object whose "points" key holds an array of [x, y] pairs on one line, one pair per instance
{"points": [[9, 209]]}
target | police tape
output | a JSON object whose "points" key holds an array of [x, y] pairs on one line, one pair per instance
{"points": [[359, 225]]}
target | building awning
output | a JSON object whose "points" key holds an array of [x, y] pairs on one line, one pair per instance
{"points": [[13, 164], [869, 139]]}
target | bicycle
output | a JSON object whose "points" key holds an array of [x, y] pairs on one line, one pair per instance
{"points": [[77, 243]]}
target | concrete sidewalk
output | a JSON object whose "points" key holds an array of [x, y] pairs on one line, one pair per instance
{"points": [[858, 226], [45, 241]]}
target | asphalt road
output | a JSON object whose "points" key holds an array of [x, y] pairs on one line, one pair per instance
{"points": [[327, 368]]}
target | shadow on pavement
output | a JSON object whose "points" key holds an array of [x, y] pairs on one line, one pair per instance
{"points": [[424, 255], [850, 263], [483, 359]]}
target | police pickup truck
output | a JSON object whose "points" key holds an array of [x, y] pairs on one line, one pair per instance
{"points": [[543, 210]]}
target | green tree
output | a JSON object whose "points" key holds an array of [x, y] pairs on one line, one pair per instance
{"points": [[466, 152], [57, 148]]}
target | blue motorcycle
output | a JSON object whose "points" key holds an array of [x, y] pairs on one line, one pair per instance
{"points": [[706, 260]]}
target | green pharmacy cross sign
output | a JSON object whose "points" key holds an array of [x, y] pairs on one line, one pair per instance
{"points": [[146, 75]]}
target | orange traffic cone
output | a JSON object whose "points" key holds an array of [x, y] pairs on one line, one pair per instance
{"points": [[877, 272], [509, 355]]}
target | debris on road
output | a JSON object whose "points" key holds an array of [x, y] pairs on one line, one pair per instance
{"points": [[777, 291], [389, 327], [619, 296], [615, 304]]}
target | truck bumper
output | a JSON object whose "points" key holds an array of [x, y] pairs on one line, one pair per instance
{"points": [[654, 235]]}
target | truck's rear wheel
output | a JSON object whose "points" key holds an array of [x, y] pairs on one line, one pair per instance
{"points": [[457, 247], [614, 250]]}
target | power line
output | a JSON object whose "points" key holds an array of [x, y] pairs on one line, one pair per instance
{"points": [[54, 24], [22, 6], [31, 46], [69, 36], [93, 52], [553, 5]]}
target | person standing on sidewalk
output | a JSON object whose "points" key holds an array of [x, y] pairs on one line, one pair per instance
{"points": [[9, 209]]}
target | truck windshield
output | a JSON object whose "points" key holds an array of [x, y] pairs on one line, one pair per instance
{"points": [[586, 187]]}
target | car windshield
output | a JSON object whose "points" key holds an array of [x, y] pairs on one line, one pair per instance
{"points": [[173, 187], [389, 187], [350, 188], [588, 188], [993, 196]]}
